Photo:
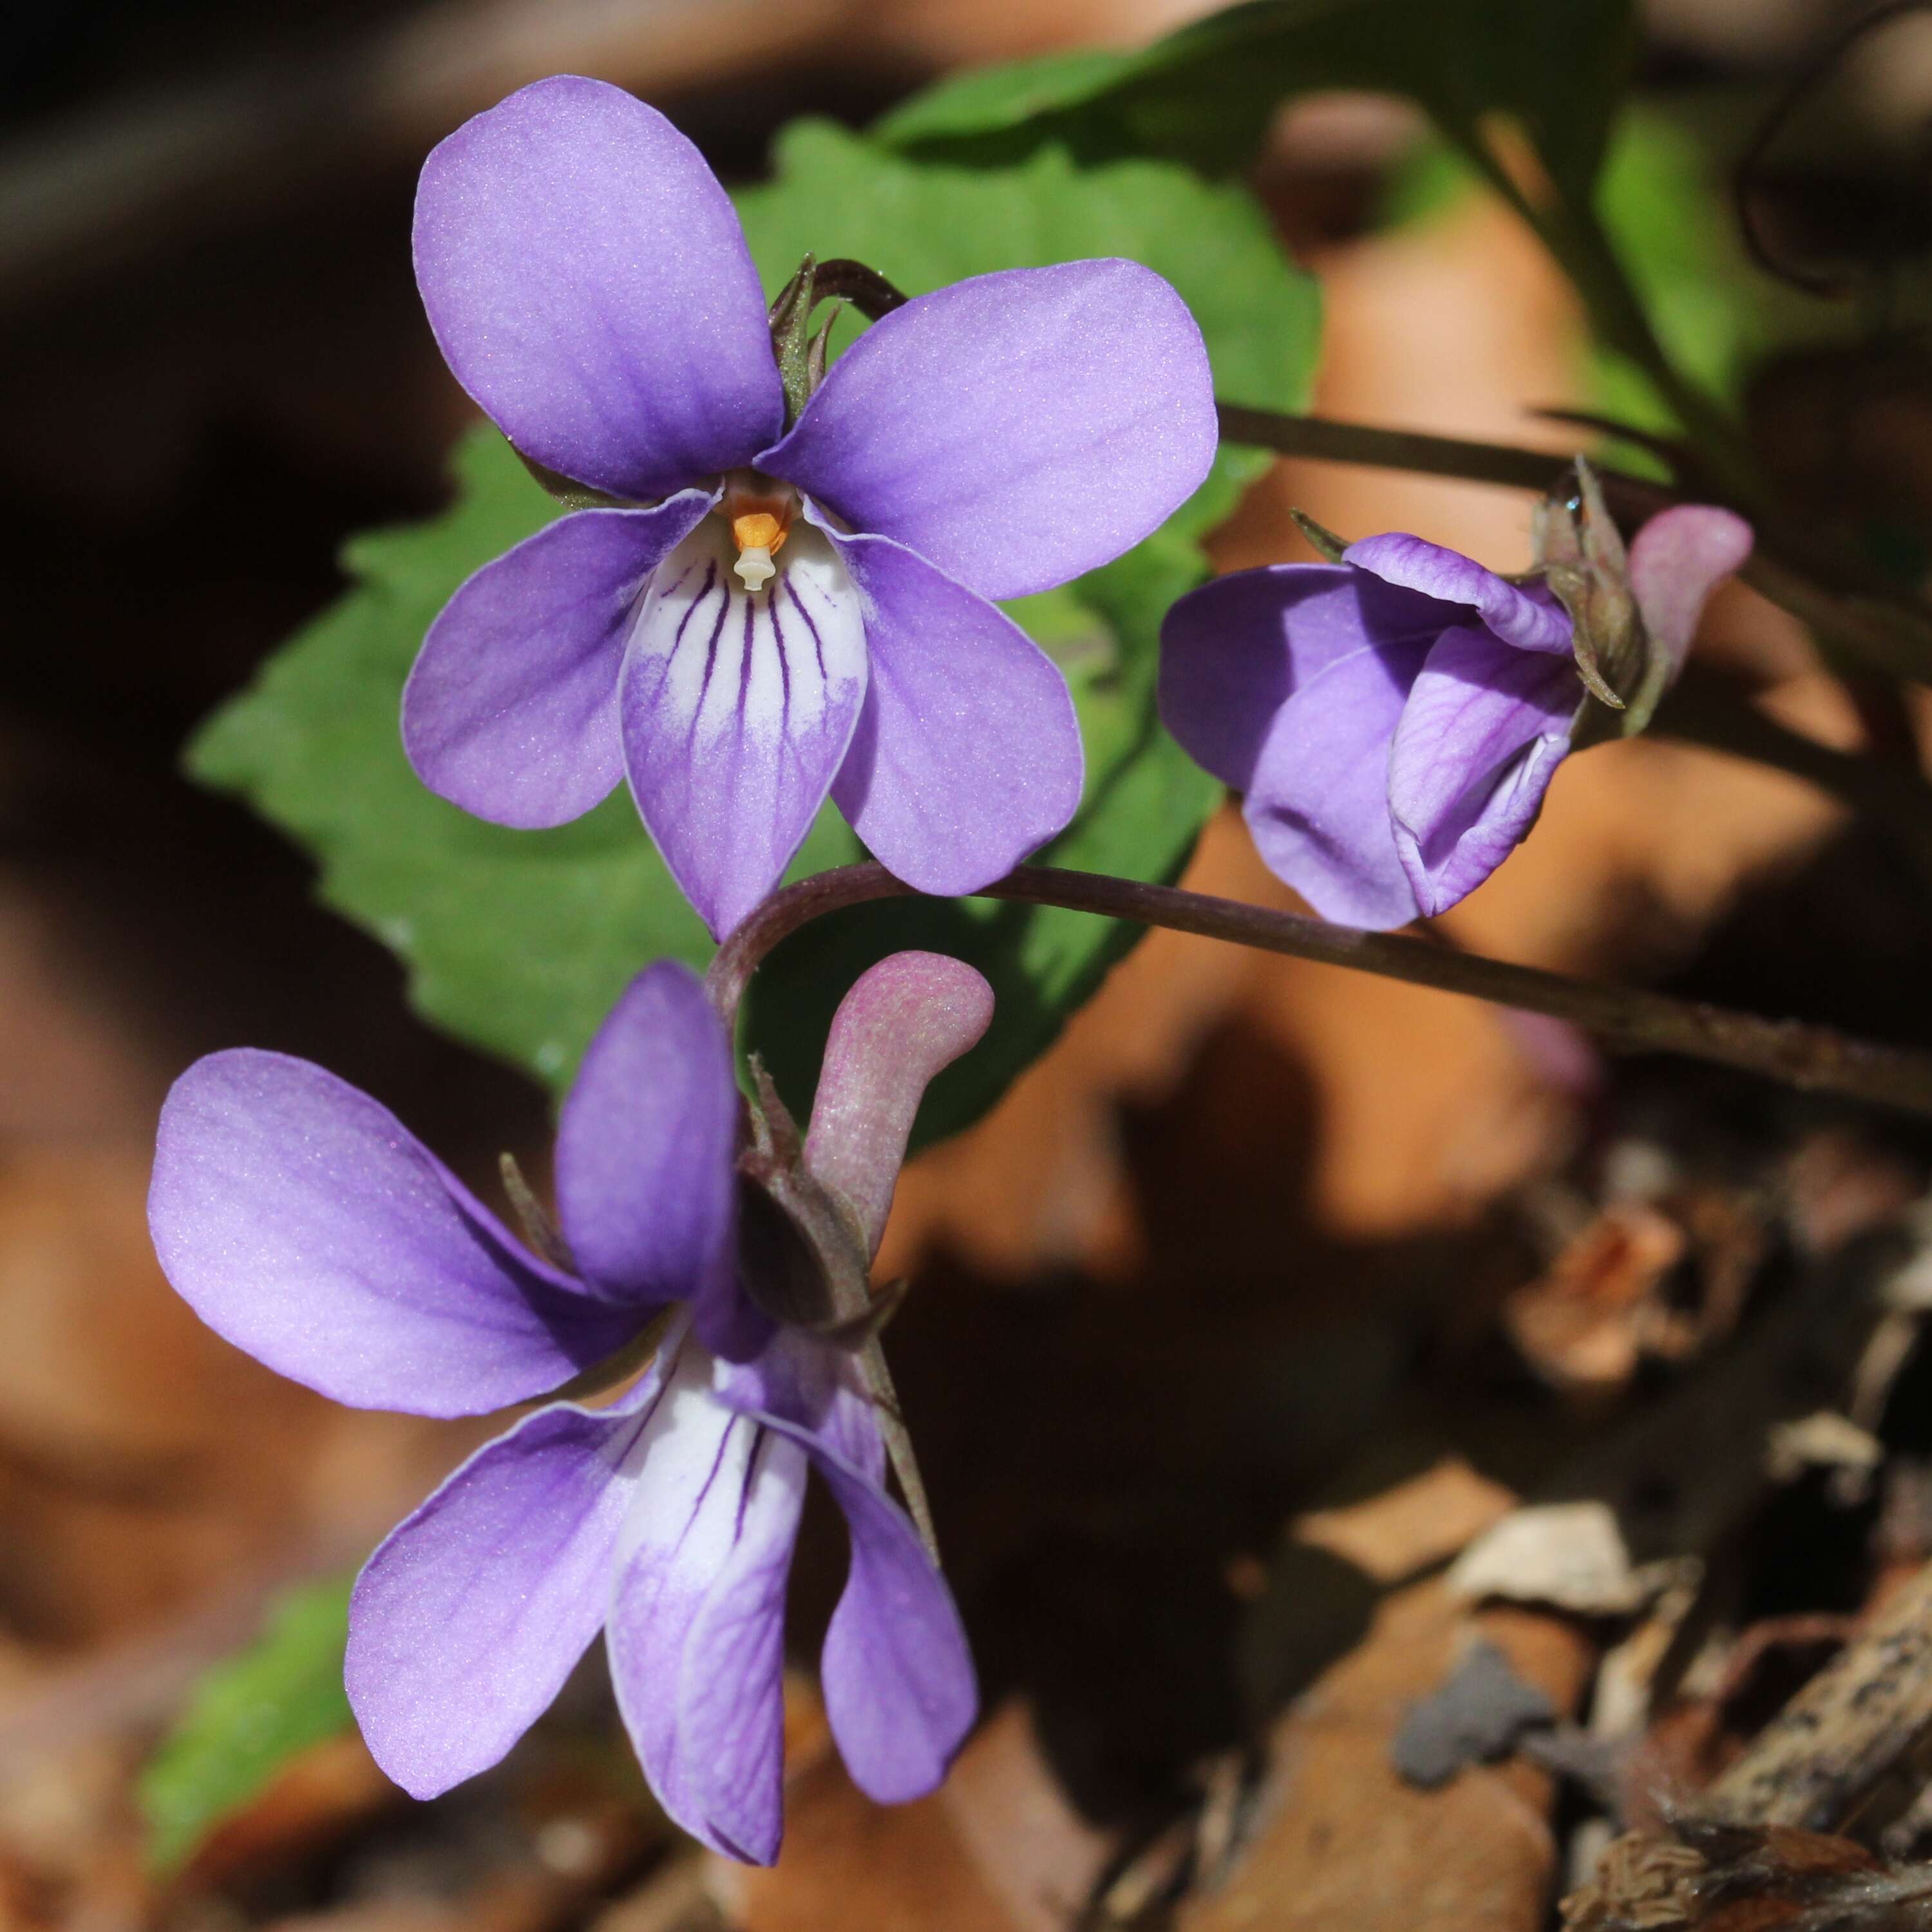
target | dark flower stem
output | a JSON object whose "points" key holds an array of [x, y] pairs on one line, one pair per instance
{"points": [[1629, 1018], [1888, 633]]}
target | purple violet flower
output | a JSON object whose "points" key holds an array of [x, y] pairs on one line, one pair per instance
{"points": [[305, 1223], [1394, 719], [791, 610]]}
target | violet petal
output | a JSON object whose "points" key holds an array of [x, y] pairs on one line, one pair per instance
{"points": [[1015, 429], [737, 707], [1676, 560], [645, 1187], [1286, 682], [1530, 620], [512, 709], [904, 1020], [300, 1220], [1484, 728], [589, 285], [966, 757], [897, 1673], [474, 1610], [697, 1617]]}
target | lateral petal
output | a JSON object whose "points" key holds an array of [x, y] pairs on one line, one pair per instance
{"points": [[897, 1673], [512, 709], [967, 755], [1484, 728], [589, 285], [474, 1610], [301, 1220], [1286, 683]]}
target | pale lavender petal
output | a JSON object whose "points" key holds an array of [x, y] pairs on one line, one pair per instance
{"points": [[1531, 619], [512, 709], [897, 1673], [302, 1221], [697, 1619], [1286, 683], [1234, 651], [737, 707], [967, 756], [646, 1189], [589, 284], [1676, 560], [904, 1020], [472, 1611], [1484, 729], [1017, 428]]}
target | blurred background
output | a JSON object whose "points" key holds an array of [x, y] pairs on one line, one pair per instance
{"points": [[1247, 1250]]}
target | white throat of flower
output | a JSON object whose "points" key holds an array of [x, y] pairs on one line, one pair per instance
{"points": [[725, 664]]}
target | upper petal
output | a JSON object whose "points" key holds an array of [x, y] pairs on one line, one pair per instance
{"points": [[1532, 619], [967, 754], [697, 1617], [302, 1221], [1286, 683], [1484, 728], [1676, 560], [737, 707], [472, 1611], [1016, 428], [645, 1187], [589, 284], [512, 709]]}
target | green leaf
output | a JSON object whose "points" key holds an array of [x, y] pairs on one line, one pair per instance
{"points": [[1205, 93], [1665, 202], [519, 942], [248, 1717]]}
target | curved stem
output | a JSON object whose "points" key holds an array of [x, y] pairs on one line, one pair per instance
{"points": [[1632, 1018]]}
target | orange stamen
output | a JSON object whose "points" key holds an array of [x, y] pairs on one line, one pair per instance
{"points": [[759, 529]]}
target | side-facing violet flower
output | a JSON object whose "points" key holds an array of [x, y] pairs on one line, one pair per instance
{"points": [[1394, 718], [793, 608], [304, 1222]]}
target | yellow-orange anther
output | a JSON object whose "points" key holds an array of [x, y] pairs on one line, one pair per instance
{"points": [[758, 530]]}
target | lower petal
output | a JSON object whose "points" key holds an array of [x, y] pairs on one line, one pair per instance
{"points": [[1484, 728], [967, 755], [471, 1614], [697, 1619], [511, 712], [737, 707]]}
